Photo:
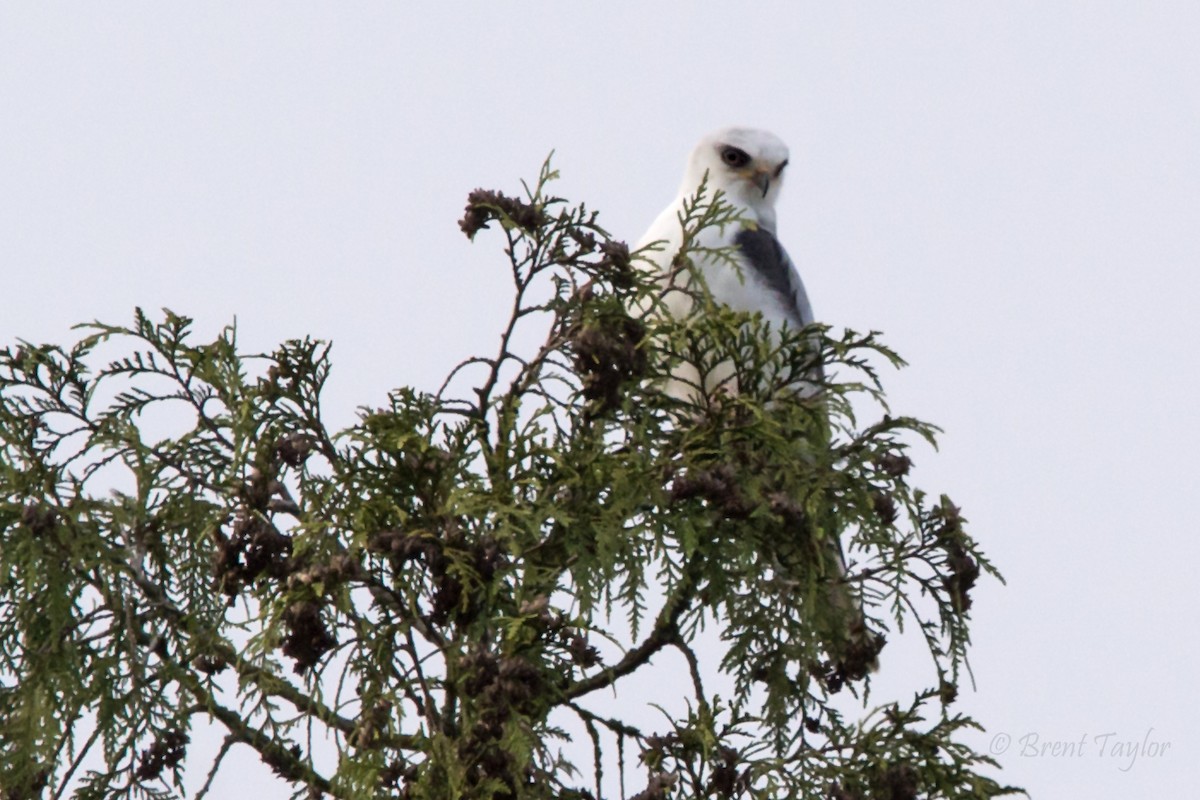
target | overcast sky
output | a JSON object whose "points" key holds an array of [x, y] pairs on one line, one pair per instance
{"points": [[1009, 191]]}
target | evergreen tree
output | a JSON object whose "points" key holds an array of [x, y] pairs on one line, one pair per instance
{"points": [[449, 592]]}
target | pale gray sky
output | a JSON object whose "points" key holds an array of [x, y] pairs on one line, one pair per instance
{"points": [[1010, 191]]}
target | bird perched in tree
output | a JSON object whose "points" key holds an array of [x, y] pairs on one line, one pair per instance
{"points": [[743, 265], [747, 167]]}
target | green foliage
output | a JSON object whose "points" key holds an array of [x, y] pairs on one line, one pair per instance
{"points": [[445, 588]]}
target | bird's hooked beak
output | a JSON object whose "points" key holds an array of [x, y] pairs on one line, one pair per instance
{"points": [[762, 179]]}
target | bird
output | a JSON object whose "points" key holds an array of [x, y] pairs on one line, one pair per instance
{"points": [[743, 266], [747, 166]]}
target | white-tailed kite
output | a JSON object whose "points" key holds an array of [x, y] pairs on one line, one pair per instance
{"points": [[747, 166], [746, 268]]}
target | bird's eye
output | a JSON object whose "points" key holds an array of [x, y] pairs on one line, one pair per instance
{"points": [[779, 169], [734, 156]]}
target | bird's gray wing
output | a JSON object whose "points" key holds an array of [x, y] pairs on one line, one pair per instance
{"points": [[767, 258], [856, 646]]}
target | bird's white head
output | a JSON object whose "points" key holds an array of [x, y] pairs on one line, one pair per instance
{"points": [[745, 163]]}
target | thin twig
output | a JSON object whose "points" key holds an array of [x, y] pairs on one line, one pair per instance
{"points": [[212, 772]]}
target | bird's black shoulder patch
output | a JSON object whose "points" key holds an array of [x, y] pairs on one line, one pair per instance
{"points": [[770, 262], [766, 257]]}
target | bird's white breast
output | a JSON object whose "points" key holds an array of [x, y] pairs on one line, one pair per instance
{"points": [[741, 289]]}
